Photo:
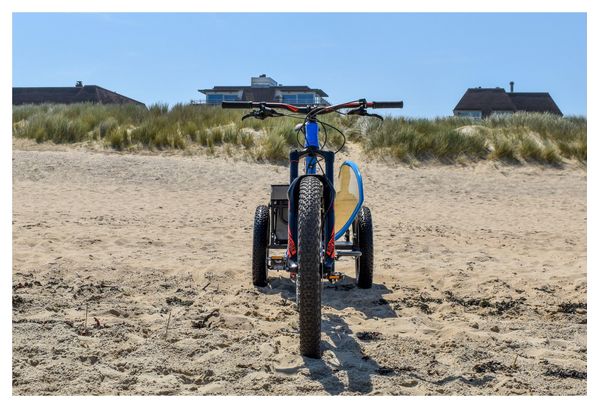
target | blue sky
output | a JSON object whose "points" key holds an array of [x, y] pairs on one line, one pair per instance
{"points": [[427, 60]]}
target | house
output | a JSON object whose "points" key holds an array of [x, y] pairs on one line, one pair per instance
{"points": [[266, 89], [483, 102], [66, 95]]}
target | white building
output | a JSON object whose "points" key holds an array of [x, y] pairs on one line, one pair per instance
{"points": [[265, 89]]}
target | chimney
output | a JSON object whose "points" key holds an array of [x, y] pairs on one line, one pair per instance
{"points": [[79, 84], [511, 86]]}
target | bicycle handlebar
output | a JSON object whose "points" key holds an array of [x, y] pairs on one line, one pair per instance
{"points": [[387, 105], [237, 105], [311, 109], [274, 105]]}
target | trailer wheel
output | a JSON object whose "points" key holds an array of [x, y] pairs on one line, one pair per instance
{"points": [[365, 262], [260, 248]]}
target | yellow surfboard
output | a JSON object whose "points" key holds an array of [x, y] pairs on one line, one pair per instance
{"points": [[348, 198]]}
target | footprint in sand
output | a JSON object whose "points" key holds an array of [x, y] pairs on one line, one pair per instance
{"points": [[289, 365]]}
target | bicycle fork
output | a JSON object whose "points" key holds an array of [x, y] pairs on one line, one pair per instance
{"points": [[312, 151]]}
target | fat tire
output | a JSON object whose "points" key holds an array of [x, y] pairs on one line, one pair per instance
{"points": [[365, 263], [309, 279], [260, 247]]}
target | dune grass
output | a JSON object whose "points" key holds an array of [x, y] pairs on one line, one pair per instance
{"points": [[522, 137], [128, 127]]}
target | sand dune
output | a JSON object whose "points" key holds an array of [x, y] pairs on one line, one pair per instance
{"points": [[480, 281]]}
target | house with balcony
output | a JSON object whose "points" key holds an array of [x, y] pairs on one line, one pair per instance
{"points": [[265, 89], [483, 102]]}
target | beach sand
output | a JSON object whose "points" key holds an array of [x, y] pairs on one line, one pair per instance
{"points": [[479, 288]]}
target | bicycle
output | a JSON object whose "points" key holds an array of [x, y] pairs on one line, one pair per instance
{"points": [[301, 215]]}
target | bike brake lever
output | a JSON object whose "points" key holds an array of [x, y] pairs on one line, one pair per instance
{"points": [[374, 115], [270, 113], [262, 114], [361, 111], [249, 115]]}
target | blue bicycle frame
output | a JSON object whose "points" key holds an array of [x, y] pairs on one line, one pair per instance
{"points": [[311, 142], [312, 151]]}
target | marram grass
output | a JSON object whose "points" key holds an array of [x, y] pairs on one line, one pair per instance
{"points": [[522, 137]]}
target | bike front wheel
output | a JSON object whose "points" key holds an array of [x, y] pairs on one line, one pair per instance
{"points": [[309, 283]]}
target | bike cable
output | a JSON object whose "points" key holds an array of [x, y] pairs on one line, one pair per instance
{"points": [[334, 128], [324, 127]]}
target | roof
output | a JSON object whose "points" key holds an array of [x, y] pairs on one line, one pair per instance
{"points": [[67, 95], [286, 88], [534, 102], [488, 100]]}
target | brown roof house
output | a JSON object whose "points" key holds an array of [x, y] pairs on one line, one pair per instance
{"points": [[483, 102], [66, 95], [266, 89]]}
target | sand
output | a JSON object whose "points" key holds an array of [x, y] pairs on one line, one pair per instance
{"points": [[480, 281]]}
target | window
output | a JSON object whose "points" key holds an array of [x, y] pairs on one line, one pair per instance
{"points": [[291, 99], [470, 114], [298, 99], [502, 113], [218, 98], [214, 98], [305, 99]]}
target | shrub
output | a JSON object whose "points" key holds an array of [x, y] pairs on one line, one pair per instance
{"points": [[274, 147], [504, 150], [531, 149], [107, 126], [118, 139]]}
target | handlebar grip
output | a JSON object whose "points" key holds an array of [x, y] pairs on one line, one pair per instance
{"points": [[236, 105], [387, 105]]}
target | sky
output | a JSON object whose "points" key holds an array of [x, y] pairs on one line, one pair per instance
{"points": [[427, 60]]}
